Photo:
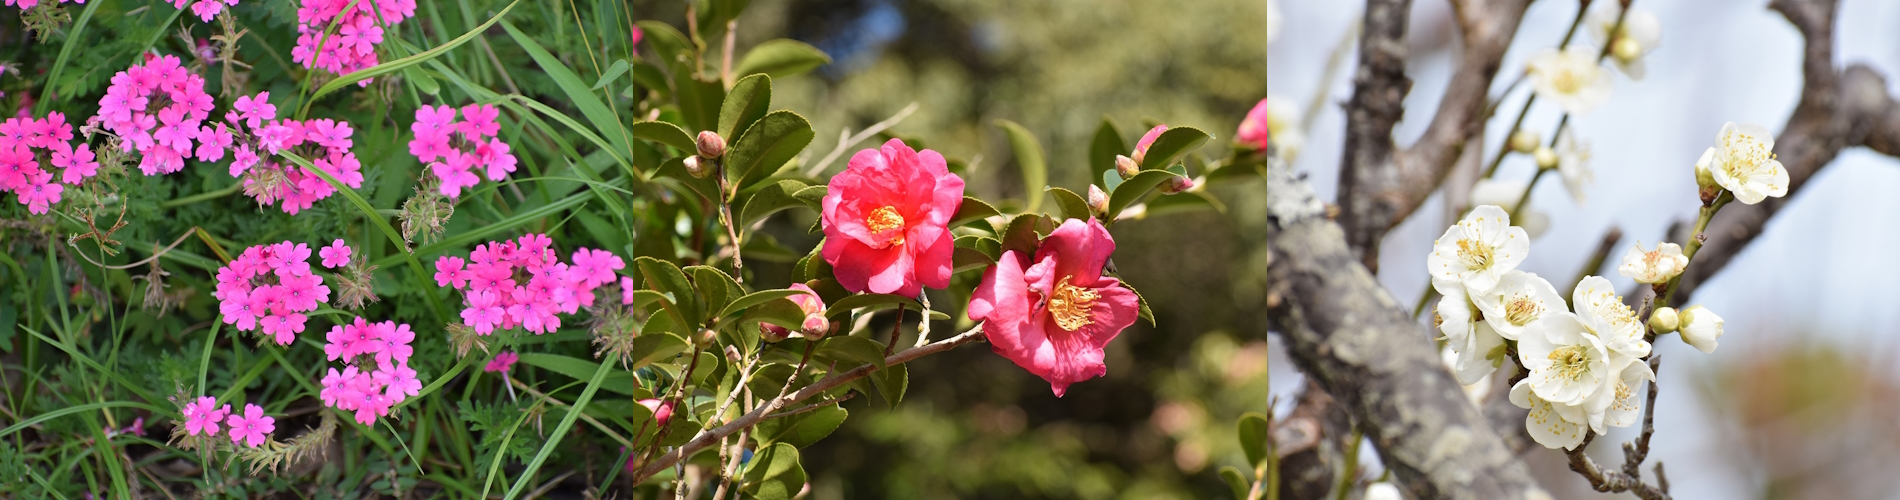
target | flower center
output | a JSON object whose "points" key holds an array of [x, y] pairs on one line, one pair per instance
{"points": [[1070, 305], [1522, 309], [1565, 82], [1745, 153], [884, 219], [1476, 254], [1570, 361]]}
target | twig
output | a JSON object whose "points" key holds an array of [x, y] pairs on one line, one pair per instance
{"points": [[846, 141], [590, 420], [813, 406], [548, 486], [1604, 248], [155, 255]]}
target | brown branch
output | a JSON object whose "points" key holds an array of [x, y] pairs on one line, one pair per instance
{"points": [[1310, 441], [1380, 185], [1348, 335]]}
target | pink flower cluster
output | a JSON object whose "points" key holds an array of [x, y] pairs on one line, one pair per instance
{"points": [[254, 135], [28, 4], [270, 286], [20, 166], [461, 146], [353, 45], [251, 428], [376, 374], [157, 108], [205, 9], [521, 283]]}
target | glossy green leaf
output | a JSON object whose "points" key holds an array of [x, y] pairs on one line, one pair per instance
{"points": [[1028, 159], [803, 429], [766, 145], [1168, 148], [1254, 431], [972, 210], [813, 196], [756, 298], [781, 58], [851, 351], [870, 300], [748, 101], [1073, 205], [1186, 202], [670, 44], [770, 200], [664, 133], [892, 382], [665, 277], [674, 171], [1104, 147], [774, 473], [716, 288], [1133, 189], [699, 101], [1235, 482], [1022, 235]]}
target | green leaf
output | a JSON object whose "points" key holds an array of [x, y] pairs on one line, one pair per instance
{"points": [[422, 80], [766, 145], [972, 210], [665, 133], [1169, 147], [1111, 179], [65, 53], [891, 383], [779, 311], [781, 58], [716, 288], [1105, 147], [1133, 189], [1029, 159], [745, 103], [580, 369], [870, 300], [1185, 202], [803, 429], [560, 431], [672, 46], [1235, 482], [619, 67], [663, 276], [602, 117], [1145, 312], [675, 170], [393, 66], [649, 76], [643, 297], [771, 199], [756, 298], [774, 473], [813, 196], [969, 259], [854, 350], [1072, 205], [1022, 234], [699, 101], [1254, 431]]}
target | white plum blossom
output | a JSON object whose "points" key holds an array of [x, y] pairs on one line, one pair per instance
{"points": [[1567, 364], [1700, 327], [1479, 348], [1477, 391], [1382, 491], [1652, 267], [1743, 162], [1521, 298], [1639, 36], [1506, 193], [1604, 315], [1546, 422], [1478, 250], [1623, 408], [1573, 164], [1572, 77]]}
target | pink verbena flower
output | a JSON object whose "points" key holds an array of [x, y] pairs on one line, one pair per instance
{"points": [[1253, 129], [1054, 314], [26, 145], [255, 134], [336, 255], [376, 374], [815, 325], [203, 415], [270, 286], [353, 45], [521, 283], [503, 361], [156, 107], [463, 149], [253, 428], [886, 220]]}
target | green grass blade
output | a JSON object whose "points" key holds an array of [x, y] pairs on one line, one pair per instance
{"points": [[65, 52], [399, 64], [599, 114], [560, 431], [71, 410]]}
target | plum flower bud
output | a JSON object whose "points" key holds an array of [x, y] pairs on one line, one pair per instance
{"points": [[1546, 157], [1626, 49], [1098, 200], [1664, 320], [1525, 141], [1126, 166], [711, 146], [1700, 327], [696, 167], [1653, 266]]}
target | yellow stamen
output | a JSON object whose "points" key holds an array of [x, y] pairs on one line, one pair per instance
{"points": [[1571, 361], [884, 219], [1070, 305], [1522, 309], [1476, 254]]}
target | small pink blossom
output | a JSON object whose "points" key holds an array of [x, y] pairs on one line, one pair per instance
{"points": [[503, 361], [336, 255], [1253, 129], [203, 415], [886, 220], [662, 411], [270, 286], [467, 151], [522, 283], [253, 428], [1054, 314], [815, 324]]}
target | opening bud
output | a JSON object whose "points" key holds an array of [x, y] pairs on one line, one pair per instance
{"points": [[1546, 158], [1663, 320], [1525, 141], [816, 326], [1098, 200], [1626, 49], [1700, 327], [771, 333], [1126, 166], [1177, 185], [662, 410], [696, 167], [711, 145], [705, 338]]}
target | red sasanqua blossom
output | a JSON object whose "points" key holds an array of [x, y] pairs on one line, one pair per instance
{"points": [[886, 220], [1054, 314]]}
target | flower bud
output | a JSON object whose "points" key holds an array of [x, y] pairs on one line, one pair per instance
{"points": [[1626, 49], [711, 146], [1664, 320], [705, 338], [816, 326], [1126, 166], [1700, 327], [662, 410], [1706, 187], [696, 167], [1098, 200], [1177, 185], [771, 333], [1546, 158], [1525, 141]]}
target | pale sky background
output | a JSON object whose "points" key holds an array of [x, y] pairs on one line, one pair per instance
{"points": [[1826, 267]]}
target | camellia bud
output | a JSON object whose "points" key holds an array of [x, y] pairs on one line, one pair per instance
{"points": [[696, 167], [1546, 158], [1126, 166], [711, 146], [1626, 49], [1700, 327], [1663, 320], [1098, 200], [1177, 185], [705, 338], [816, 326], [771, 333], [662, 410], [1525, 141]]}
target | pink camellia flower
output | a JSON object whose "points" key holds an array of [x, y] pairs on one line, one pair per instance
{"points": [[815, 325], [252, 428], [336, 255], [503, 361], [1253, 128], [1054, 314], [886, 220], [662, 411]]}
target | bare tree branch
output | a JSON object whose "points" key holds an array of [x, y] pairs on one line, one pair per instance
{"points": [[1348, 335]]}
